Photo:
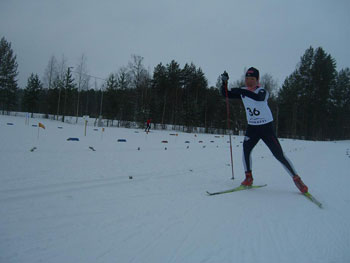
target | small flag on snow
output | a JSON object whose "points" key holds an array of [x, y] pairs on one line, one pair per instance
{"points": [[41, 125]]}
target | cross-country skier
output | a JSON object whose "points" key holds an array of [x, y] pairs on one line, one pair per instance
{"points": [[259, 118], [148, 125]]}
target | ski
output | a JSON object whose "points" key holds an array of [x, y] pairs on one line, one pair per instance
{"points": [[238, 188], [313, 199]]}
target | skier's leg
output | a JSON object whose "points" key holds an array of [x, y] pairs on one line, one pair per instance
{"points": [[250, 140], [272, 142], [275, 147]]}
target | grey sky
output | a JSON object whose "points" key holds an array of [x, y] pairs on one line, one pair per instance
{"points": [[217, 35]]}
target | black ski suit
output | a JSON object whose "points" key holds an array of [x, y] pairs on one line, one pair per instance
{"points": [[260, 121]]}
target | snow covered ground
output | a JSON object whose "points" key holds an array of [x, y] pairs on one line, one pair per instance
{"points": [[63, 202]]}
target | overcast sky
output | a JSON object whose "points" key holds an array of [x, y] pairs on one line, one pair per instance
{"points": [[217, 35]]}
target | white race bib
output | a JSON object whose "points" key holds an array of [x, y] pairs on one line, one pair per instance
{"points": [[257, 112]]}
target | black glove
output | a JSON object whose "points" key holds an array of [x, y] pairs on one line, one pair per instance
{"points": [[224, 79], [224, 76]]}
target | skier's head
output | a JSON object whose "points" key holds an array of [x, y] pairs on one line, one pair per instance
{"points": [[252, 72], [252, 78]]}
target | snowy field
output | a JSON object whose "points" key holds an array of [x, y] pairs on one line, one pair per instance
{"points": [[63, 202]]}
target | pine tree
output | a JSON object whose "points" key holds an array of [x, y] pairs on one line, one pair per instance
{"points": [[304, 100], [69, 87], [8, 74], [214, 111], [111, 103], [173, 91], [125, 95], [191, 109], [340, 105], [323, 78], [32, 94], [159, 98]]}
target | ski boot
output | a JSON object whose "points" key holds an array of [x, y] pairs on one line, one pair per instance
{"points": [[248, 179], [299, 183]]}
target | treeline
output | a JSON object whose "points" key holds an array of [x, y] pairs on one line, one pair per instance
{"points": [[313, 102]]}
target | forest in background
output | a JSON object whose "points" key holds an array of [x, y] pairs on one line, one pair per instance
{"points": [[313, 102]]}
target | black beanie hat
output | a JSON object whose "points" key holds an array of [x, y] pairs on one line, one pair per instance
{"points": [[252, 72]]}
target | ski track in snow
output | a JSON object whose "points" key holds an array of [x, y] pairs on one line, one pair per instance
{"points": [[65, 203]]}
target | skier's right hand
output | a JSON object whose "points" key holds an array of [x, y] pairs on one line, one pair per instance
{"points": [[224, 77]]}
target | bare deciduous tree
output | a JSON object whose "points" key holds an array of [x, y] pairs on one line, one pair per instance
{"points": [[51, 72], [82, 79]]}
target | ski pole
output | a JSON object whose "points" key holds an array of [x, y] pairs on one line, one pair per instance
{"points": [[228, 126]]}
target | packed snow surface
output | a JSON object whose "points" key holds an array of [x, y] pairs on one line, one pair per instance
{"points": [[143, 200]]}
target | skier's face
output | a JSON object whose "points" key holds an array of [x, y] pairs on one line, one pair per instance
{"points": [[251, 82]]}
